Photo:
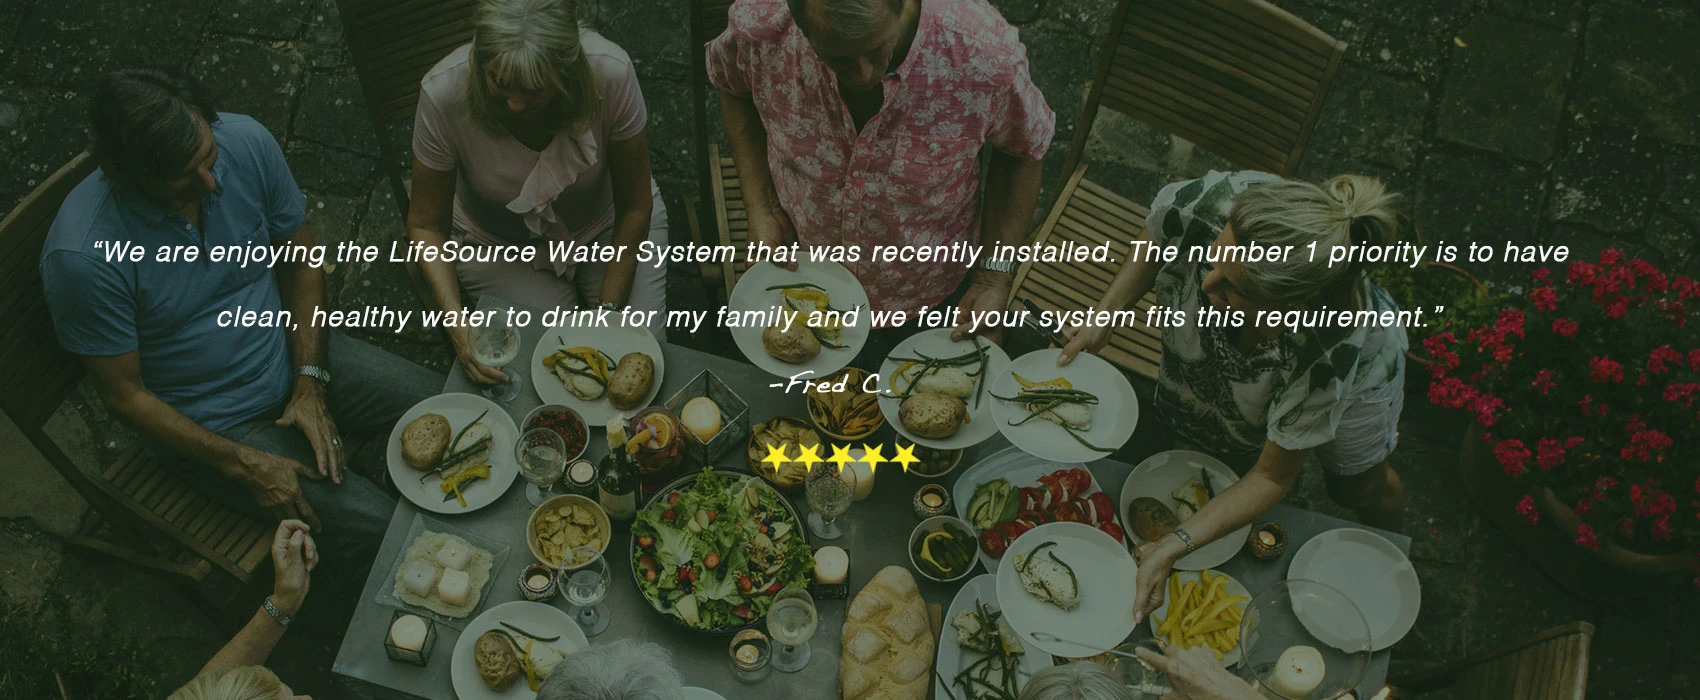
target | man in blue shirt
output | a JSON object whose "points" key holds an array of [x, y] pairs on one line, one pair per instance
{"points": [[252, 404]]}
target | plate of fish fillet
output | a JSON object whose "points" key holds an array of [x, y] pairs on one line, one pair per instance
{"points": [[1067, 589], [1078, 413]]}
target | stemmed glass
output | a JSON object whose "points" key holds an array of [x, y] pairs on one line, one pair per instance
{"points": [[829, 490], [791, 621], [583, 579], [496, 344], [542, 456]]}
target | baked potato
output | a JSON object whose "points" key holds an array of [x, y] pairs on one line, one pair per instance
{"points": [[630, 382], [1150, 518], [494, 656], [932, 416], [795, 345], [424, 440]]}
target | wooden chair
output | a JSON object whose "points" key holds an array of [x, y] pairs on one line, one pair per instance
{"points": [[136, 494], [719, 202], [1549, 665], [1240, 78], [393, 44]]}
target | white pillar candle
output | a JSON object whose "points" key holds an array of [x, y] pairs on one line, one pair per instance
{"points": [[1299, 670], [408, 632], [864, 475], [831, 564]]}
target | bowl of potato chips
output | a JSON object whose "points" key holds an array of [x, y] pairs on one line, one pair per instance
{"points": [[563, 523]]}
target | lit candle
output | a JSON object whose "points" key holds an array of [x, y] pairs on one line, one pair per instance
{"points": [[831, 564], [537, 582], [864, 475], [408, 632], [1267, 537], [1299, 670], [932, 500]]}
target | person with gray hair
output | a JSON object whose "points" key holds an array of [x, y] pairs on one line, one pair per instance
{"points": [[1264, 396], [1082, 680], [623, 670], [860, 124]]}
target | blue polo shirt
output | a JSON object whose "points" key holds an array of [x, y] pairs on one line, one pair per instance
{"points": [[167, 311]]}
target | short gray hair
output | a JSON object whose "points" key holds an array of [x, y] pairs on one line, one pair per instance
{"points": [[624, 670], [1082, 680], [852, 19]]}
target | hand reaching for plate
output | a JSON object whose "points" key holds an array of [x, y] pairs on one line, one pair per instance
{"points": [[1195, 674]]}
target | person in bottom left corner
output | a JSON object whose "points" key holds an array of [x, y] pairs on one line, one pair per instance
{"points": [[256, 416]]}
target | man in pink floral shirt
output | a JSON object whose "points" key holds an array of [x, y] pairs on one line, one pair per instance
{"points": [[861, 122]]}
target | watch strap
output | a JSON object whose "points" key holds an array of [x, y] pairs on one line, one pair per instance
{"points": [[1186, 538], [1007, 267], [314, 371], [282, 619]]}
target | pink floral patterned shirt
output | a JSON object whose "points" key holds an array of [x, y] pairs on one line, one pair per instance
{"points": [[912, 175]]}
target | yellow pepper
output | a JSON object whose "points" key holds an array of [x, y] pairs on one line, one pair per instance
{"points": [[1059, 382], [467, 475]]}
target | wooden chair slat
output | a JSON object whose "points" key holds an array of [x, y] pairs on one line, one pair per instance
{"points": [[143, 488], [169, 498], [184, 511], [1204, 65], [1259, 16], [1180, 97], [233, 534], [1231, 147], [1254, 42]]}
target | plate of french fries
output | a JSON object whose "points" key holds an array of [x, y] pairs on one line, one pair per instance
{"points": [[1202, 609]]}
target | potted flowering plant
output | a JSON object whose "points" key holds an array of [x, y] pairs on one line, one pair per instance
{"points": [[1583, 400]]}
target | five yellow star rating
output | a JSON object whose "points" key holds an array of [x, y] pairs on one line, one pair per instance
{"points": [[873, 455]]}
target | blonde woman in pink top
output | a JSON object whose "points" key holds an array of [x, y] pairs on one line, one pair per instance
{"points": [[534, 134]]}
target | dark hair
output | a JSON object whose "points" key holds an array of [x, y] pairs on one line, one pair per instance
{"points": [[144, 121]]}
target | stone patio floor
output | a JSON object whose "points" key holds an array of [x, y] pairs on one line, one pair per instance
{"points": [[1572, 121]]}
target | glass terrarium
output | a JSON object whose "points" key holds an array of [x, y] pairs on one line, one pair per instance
{"points": [[734, 416], [1304, 640]]}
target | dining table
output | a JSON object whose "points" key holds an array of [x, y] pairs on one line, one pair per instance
{"points": [[875, 534]]}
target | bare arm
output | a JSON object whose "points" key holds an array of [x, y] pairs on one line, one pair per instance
{"points": [[1011, 195], [1264, 486], [293, 556], [272, 479], [302, 287], [1133, 281], [768, 221], [628, 163], [429, 218]]}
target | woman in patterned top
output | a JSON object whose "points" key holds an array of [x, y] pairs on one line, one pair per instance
{"points": [[1260, 393]]}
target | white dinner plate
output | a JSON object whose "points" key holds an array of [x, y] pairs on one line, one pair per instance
{"points": [[1020, 468], [952, 658], [616, 341], [1232, 586], [1105, 571], [1113, 418], [460, 409], [695, 693], [1373, 573], [937, 343], [752, 294], [1158, 477], [537, 618]]}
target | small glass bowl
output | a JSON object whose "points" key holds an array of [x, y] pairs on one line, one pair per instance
{"points": [[537, 594]]}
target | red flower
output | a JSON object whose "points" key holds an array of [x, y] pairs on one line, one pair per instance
{"points": [[1450, 392], [1661, 529], [1645, 446], [1682, 393], [1564, 327], [1659, 357], [1549, 453], [1545, 299], [1694, 360], [1583, 506], [1543, 382], [1610, 257], [1570, 443], [1526, 508], [1585, 537], [1541, 274], [1686, 287], [1605, 370], [1650, 502], [1618, 308], [1512, 456], [1582, 272], [1486, 409], [1654, 280], [1510, 322]]}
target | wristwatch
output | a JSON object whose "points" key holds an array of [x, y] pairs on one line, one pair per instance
{"points": [[1005, 266], [316, 372], [282, 619]]}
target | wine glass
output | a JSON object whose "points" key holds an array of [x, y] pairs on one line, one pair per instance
{"points": [[542, 456], [791, 621], [829, 490], [1144, 680], [584, 582], [495, 345]]}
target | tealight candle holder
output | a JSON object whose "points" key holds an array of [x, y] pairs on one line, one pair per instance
{"points": [[537, 583], [1268, 541], [832, 574], [751, 653], [931, 500], [409, 638]]}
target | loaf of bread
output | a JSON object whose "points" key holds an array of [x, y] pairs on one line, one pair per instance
{"points": [[888, 646], [424, 440]]}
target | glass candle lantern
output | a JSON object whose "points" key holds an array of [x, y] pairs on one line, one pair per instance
{"points": [[409, 638], [751, 653]]}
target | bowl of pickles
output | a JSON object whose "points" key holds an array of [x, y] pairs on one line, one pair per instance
{"points": [[943, 549], [934, 463]]}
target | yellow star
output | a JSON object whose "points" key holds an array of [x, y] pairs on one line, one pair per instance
{"points": [[840, 456], [905, 456], [810, 456], [775, 456], [871, 456]]}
